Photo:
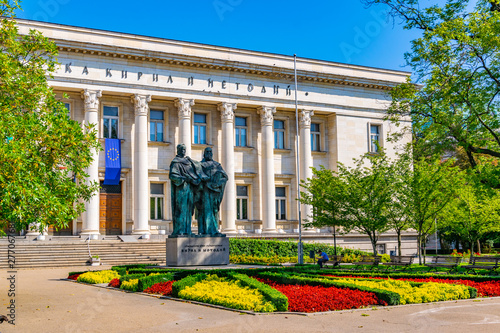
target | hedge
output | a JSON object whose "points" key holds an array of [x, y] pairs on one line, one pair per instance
{"points": [[269, 248], [391, 298], [187, 282], [129, 277], [272, 295], [148, 271], [148, 281]]}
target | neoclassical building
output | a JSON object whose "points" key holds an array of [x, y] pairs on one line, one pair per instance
{"points": [[153, 93]]}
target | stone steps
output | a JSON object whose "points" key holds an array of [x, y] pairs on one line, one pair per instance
{"points": [[64, 254]]}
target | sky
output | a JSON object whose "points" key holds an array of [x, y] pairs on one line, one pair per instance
{"points": [[342, 31]]}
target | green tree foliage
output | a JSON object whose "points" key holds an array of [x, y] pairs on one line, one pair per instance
{"points": [[43, 153], [473, 212], [457, 61], [354, 198]]}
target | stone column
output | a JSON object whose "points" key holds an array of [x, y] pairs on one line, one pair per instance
{"points": [[229, 201], [305, 154], [91, 215], [268, 187], [184, 106], [141, 185]]}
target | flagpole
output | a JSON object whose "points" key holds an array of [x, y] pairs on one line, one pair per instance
{"points": [[299, 250]]}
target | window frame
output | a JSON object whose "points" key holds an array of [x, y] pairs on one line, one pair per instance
{"points": [[207, 127], [380, 136], [161, 198], [239, 127], [118, 118], [239, 201], [156, 121], [278, 204], [318, 135], [284, 131]]}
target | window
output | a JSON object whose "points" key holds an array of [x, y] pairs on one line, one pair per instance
{"points": [[156, 202], [156, 125], [68, 107], [240, 132], [374, 138], [242, 202], [280, 203], [279, 134], [110, 122], [315, 137], [200, 128]]}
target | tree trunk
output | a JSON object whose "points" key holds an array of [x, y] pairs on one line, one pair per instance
{"points": [[419, 249], [399, 242], [478, 246], [425, 249]]}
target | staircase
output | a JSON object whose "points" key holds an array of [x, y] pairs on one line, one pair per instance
{"points": [[76, 253]]}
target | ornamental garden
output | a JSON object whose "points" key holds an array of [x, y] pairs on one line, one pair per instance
{"points": [[273, 287]]}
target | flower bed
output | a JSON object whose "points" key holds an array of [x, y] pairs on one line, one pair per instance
{"points": [[412, 292], [304, 298], [130, 285], [162, 288], [98, 277], [115, 283], [221, 291]]}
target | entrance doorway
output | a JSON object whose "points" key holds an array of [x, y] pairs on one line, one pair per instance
{"points": [[110, 210]]}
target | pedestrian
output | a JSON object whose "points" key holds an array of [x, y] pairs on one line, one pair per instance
{"points": [[323, 257]]}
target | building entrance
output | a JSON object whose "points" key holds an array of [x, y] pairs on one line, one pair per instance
{"points": [[110, 210]]}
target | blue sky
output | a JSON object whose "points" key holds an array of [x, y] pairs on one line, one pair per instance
{"points": [[334, 30]]}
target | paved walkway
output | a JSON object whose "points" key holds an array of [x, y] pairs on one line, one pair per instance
{"points": [[44, 303]]}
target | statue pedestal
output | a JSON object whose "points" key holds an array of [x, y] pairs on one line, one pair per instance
{"points": [[197, 251]]}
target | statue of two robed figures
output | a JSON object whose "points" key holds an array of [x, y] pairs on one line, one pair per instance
{"points": [[197, 185]]}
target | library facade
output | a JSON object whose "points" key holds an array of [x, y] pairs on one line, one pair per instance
{"points": [[153, 94]]}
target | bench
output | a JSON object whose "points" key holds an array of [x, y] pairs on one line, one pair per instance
{"points": [[368, 260], [488, 263], [445, 262], [401, 261], [334, 260]]}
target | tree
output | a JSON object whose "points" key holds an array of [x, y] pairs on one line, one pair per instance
{"points": [[354, 198], [457, 62], [432, 186], [43, 153], [474, 211]]}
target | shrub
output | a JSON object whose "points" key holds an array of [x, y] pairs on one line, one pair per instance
{"points": [[272, 295], [187, 282], [129, 277], [228, 293], [148, 281], [147, 271], [97, 277], [130, 285]]}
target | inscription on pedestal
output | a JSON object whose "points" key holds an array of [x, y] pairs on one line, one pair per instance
{"points": [[197, 251]]}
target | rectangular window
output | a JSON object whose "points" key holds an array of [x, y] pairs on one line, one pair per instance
{"points": [[242, 202], [200, 128], [156, 125], [280, 203], [374, 138], [110, 122], [315, 137], [279, 134], [240, 132], [68, 107], [156, 202]]}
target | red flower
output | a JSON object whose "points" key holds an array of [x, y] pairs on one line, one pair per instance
{"points": [[74, 276], [115, 283], [303, 298], [162, 288]]}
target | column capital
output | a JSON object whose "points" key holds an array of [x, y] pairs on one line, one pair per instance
{"points": [[305, 118], [91, 99], [227, 111], [184, 106], [266, 115], [140, 104]]}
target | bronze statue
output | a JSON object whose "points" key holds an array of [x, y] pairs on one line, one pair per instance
{"points": [[200, 185], [211, 195]]}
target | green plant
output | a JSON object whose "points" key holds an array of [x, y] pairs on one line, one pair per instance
{"points": [[148, 281], [129, 277], [187, 282]]}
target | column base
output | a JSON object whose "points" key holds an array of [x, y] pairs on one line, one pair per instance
{"points": [[145, 234], [268, 231], [92, 234], [230, 231]]}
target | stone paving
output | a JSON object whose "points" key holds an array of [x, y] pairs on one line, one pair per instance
{"points": [[45, 303]]}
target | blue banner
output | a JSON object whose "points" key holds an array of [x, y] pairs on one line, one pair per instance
{"points": [[113, 153]]}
